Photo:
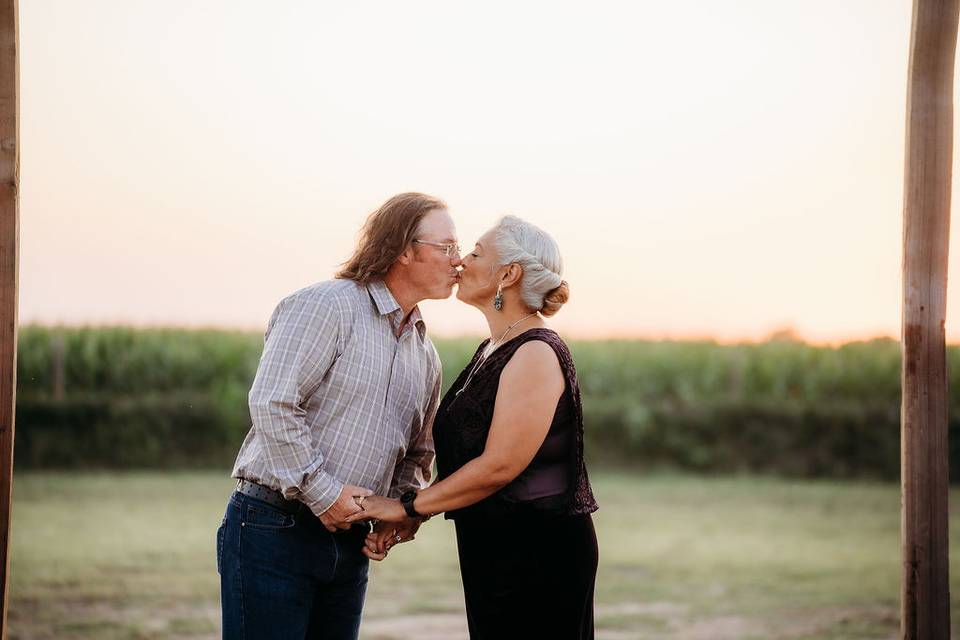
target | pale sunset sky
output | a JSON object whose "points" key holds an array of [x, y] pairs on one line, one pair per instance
{"points": [[709, 168]]}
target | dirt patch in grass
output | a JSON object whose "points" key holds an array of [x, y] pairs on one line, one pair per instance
{"points": [[85, 620], [82, 620], [874, 622]]}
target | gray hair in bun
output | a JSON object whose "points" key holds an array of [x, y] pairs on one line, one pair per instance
{"points": [[538, 255]]}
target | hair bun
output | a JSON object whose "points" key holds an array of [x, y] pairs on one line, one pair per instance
{"points": [[555, 299]]}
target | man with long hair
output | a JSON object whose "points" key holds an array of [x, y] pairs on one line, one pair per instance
{"points": [[341, 408]]}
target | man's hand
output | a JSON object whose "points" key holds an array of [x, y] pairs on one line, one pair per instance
{"points": [[388, 534], [335, 517]]}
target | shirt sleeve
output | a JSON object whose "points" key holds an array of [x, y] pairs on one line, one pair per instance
{"points": [[300, 347], [416, 468]]}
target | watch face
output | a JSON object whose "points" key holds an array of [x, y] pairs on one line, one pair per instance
{"points": [[408, 496]]}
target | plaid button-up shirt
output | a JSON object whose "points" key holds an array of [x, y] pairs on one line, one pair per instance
{"points": [[340, 399]]}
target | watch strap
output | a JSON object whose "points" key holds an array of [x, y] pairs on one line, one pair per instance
{"points": [[407, 501]]}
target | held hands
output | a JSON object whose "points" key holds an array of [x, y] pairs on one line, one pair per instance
{"points": [[386, 534], [378, 508], [337, 516]]}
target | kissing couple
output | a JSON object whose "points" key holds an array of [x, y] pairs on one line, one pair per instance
{"points": [[347, 421]]}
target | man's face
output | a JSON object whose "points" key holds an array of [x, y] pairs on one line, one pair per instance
{"points": [[432, 271]]}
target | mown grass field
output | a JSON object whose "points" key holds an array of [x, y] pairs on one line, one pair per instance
{"points": [[131, 555]]}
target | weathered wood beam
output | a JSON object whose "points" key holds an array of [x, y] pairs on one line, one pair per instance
{"points": [[9, 270], [924, 592]]}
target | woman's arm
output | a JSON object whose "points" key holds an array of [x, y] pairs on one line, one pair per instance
{"points": [[530, 387]]}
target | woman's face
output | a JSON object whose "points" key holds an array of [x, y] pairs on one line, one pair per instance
{"points": [[478, 282]]}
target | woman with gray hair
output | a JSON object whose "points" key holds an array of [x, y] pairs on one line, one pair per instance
{"points": [[509, 441]]}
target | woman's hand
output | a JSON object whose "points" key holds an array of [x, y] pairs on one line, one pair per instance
{"points": [[387, 534], [379, 508]]}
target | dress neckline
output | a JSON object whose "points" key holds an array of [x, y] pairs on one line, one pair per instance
{"points": [[486, 341]]}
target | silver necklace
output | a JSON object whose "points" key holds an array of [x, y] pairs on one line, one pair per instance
{"points": [[486, 353]]}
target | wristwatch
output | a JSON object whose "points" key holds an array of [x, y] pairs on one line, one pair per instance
{"points": [[407, 501]]}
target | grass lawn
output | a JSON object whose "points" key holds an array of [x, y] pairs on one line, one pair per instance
{"points": [[131, 556]]}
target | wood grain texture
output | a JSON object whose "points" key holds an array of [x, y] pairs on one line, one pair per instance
{"points": [[9, 270], [924, 594]]}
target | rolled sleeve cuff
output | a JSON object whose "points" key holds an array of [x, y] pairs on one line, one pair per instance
{"points": [[320, 492]]}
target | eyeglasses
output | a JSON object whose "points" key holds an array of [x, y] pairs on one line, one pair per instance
{"points": [[452, 250]]}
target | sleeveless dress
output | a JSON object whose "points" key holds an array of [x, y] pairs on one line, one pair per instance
{"points": [[528, 552]]}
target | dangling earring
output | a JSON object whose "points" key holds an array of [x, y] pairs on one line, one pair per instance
{"points": [[498, 299]]}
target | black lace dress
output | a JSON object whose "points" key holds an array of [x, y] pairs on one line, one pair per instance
{"points": [[528, 553]]}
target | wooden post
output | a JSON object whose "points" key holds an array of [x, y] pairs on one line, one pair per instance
{"points": [[9, 268], [924, 590]]}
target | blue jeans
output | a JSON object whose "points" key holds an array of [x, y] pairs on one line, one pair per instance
{"points": [[284, 576]]}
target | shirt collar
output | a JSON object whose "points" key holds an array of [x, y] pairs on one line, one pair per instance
{"points": [[416, 319], [382, 297], [387, 305]]}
